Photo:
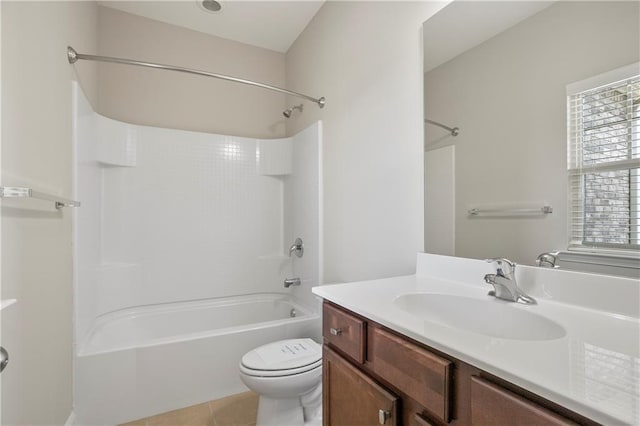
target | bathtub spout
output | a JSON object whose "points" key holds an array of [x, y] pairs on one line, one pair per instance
{"points": [[288, 282]]}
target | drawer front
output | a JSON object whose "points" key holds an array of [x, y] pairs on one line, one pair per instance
{"points": [[351, 398], [422, 375], [494, 405], [343, 331]]}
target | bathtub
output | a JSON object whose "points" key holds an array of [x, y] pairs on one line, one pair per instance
{"points": [[147, 360]]}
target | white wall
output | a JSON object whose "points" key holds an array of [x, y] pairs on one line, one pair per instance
{"points": [[508, 96], [36, 239], [181, 101], [365, 58]]}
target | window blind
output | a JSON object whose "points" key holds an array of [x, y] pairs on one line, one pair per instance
{"points": [[604, 165]]}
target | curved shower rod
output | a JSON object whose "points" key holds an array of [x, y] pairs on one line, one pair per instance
{"points": [[453, 130], [73, 56]]}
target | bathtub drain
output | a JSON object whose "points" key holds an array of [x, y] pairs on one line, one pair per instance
{"points": [[292, 314]]}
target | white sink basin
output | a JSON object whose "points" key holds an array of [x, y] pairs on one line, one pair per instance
{"points": [[490, 317]]}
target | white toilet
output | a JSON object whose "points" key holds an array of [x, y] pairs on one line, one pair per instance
{"points": [[288, 377]]}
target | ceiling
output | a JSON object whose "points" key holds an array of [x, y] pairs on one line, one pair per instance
{"points": [[462, 25], [272, 25]]}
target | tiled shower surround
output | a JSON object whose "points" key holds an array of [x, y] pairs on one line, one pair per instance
{"points": [[172, 215]]}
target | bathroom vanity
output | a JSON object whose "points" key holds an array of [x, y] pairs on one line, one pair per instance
{"points": [[393, 356]]}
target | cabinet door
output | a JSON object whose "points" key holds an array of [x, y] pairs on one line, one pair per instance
{"points": [[351, 398], [494, 405]]}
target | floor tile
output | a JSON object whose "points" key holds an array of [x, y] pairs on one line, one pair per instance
{"points": [[142, 422], [236, 410], [196, 415]]}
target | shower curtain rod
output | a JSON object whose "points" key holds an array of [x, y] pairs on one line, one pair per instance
{"points": [[454, 130], [73, 57]]}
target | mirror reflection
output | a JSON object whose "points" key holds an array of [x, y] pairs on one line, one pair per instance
{"points": [[499, 72]]}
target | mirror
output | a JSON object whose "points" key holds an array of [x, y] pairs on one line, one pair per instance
{"points": [[498, 71]]}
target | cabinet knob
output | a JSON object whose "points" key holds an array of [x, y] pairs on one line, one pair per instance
{"points": [[335, 331], [383, 416]]}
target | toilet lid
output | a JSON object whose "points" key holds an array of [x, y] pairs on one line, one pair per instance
{"points": [[283, 355]]}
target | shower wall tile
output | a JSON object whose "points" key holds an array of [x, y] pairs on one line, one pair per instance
{"points": [[87, 220], [116, 142], [275, 156], [196, 194], [170, 215], [303, 212]]}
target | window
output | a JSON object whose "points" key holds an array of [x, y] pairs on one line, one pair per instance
{"points": [[604, 160]]}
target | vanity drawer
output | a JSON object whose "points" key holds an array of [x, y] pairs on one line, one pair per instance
{"points": [[493, 405], [344, 332], [420, 374]]}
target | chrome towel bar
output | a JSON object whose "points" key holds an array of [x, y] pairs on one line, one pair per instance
{"points": [[20, 192], [541, 210]]}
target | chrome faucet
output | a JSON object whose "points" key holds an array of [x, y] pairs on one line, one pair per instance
{"points": [[504, 282], [297, 248], [548, 260], [288, 282]]}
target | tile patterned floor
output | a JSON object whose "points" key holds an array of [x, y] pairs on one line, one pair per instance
{"points": [[235, 410]]}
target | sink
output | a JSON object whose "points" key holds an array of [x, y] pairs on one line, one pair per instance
{"points": [[490, 317]]}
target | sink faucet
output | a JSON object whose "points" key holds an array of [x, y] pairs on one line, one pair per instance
{"points": [[548, 260], [291, 281], [504, 282]]}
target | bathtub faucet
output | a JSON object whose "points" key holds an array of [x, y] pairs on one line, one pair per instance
{"points": [[288, 282]]}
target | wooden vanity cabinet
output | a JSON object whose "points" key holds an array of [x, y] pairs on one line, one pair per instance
{"points": [[373, 375]]}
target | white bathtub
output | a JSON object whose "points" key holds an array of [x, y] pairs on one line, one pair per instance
{"points": [[148, 360]]}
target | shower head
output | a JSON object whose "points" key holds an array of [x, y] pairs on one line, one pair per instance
{"points": [[288, 112]]}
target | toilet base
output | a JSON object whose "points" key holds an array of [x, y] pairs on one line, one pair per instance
{"points": [[299, 411], [279, 412]]}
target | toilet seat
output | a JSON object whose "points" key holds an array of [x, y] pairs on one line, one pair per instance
{"points": [[280, 373], [282, 358]]}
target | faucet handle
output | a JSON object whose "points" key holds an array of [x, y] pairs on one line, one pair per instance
{"points": [[297, 248], [503, 266]]}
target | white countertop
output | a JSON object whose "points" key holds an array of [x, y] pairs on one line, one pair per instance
{"points": [[593, 370]]}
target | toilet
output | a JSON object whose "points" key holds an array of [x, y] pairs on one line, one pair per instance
{"points": [[287, 375]]}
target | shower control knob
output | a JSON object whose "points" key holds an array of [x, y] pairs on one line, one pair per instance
{"points": [[297, 248]]}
